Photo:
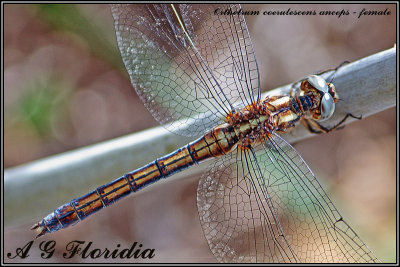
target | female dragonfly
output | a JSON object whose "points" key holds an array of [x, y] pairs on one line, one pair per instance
{"points": [[258, 201]]}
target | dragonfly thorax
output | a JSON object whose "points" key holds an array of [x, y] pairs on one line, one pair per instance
{"points": [[251, 124]]}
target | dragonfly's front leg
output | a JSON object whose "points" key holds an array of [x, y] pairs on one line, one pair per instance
{"points": [[315, 127], [332, 69]]}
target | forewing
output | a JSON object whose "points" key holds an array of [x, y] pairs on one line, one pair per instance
{"points": [[265, 205], [186, 63]]}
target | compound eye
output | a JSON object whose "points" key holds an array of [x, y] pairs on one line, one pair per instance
{"points": [[327, 106], [318, 83]]}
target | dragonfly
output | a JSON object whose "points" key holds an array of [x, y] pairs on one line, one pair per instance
{"points": [[258, 201]]}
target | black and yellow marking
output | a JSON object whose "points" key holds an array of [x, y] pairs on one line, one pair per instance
{"points": [[217, 142]]}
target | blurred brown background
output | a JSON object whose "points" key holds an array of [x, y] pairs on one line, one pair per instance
{"points": [[65, 87]]}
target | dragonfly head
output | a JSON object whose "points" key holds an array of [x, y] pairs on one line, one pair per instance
{"points": [[328, 97]]}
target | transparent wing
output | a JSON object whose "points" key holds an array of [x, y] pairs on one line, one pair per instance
{"points": [[187, 63], [265, 205]]}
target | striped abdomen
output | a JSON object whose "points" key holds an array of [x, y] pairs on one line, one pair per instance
{"points": [[215, 143]]}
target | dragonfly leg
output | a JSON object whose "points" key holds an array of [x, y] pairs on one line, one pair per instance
{"points": [[332, 69], [315, 127]]}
